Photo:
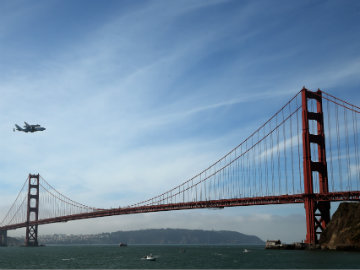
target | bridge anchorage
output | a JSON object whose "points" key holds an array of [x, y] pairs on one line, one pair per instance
{"points": [[284, 161]]}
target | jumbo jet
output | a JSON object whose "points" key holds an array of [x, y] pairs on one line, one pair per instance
{"points": [[29, 128]]}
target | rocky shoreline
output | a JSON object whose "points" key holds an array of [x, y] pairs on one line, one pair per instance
{"points": [[342, 233]]}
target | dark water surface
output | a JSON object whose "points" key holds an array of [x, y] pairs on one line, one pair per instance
{"points": [[96, 257]]}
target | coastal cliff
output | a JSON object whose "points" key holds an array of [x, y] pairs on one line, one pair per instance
{"points": [[343, 231]]}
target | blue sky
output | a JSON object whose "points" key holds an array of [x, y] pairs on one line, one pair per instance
{"points": [[138, 96]]}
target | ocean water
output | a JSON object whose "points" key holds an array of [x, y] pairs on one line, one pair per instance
{"points": [[172, 256]]}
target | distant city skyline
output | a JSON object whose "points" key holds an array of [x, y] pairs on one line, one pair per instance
{"points": [[139, 96]]}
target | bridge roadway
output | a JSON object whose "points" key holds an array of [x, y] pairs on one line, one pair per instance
{"points": [[266, 200]]}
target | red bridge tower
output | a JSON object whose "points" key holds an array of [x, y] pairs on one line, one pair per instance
{"points": [[317, 212], [32, 211]]}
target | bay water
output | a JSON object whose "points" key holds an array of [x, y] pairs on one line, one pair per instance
{"points": [[173, 257]]}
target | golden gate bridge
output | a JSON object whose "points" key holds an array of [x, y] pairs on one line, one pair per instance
{"points": [[307, 152]]}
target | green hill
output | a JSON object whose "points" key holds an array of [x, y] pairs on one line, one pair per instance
{"points": [[157, 236]]}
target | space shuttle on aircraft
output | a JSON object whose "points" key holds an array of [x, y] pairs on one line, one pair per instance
{"points": [[29, 128]]}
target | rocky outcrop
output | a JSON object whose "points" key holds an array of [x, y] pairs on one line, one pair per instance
{"points": [[343, 231]]}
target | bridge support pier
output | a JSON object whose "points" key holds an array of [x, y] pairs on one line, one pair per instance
{"points": [[3, 238], [317, 212], [32, 211]]}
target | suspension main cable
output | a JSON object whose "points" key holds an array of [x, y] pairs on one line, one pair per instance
{"points": [[21, 190], [67, 198]]}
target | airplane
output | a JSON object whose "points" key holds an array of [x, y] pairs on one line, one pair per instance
{"points": [[29, 128]]}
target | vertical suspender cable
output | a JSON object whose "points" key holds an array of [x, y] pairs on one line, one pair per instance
{"points": [[272, 162], [278, 154], [285, 153], [260, 165], [266, 165], [338, 146], [253, 165], [329, 144], [355, 133], [298, 133], [292, 152], [347, 151]]}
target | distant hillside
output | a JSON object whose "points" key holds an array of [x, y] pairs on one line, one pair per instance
{"points": [[343, 231], [11, 241], [157, 236]]}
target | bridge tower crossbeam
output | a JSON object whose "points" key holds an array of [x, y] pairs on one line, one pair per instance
{"points": [[32, 211], [317, 212]]}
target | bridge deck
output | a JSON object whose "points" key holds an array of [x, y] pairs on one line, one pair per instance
{"points": [[266, 200]]}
